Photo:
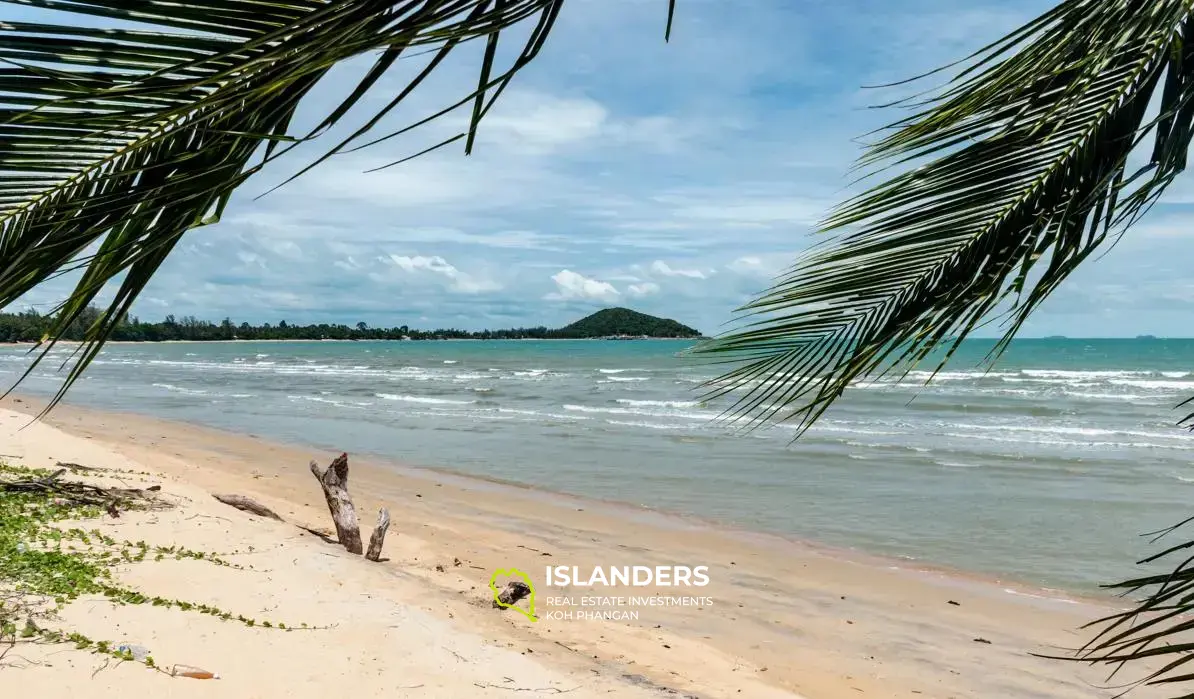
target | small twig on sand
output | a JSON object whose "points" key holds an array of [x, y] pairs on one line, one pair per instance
{"points": [[101, 668], [327, 538], [528, 548], [548, 690]]}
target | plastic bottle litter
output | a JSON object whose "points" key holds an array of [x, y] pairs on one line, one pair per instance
{"points": [[139, 653], [195, 673]]}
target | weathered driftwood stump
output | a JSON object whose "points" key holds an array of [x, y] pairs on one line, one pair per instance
{"points": [[334, 482], [249, 505], [379, 535], [512, 593]]}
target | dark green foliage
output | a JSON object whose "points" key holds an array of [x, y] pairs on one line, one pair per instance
{"points": [[623, 321], [31, 327]]}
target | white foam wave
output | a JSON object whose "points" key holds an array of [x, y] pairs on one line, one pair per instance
{"points": [[634, 411], [179, 389], [1158, 385], [648, 425], [624, 379], [660, 403], [449, 361], [423, 399]]}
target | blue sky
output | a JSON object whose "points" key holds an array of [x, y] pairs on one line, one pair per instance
{"points": [[675, 179]]}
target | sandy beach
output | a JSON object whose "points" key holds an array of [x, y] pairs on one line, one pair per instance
{"points": [[781, 618]]}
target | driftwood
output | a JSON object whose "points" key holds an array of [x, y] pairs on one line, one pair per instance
{"points": [[510, 595], [379, 535], [249, 505], [334, 482], [79, 493]]}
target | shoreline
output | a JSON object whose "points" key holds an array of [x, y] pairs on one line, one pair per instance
{"points": [[659, 518], [788, 617]]}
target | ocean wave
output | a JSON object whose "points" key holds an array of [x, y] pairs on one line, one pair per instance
{"points": [[649, 425], [634, 411], [1176, 434], [1161, 385], [330, 401], [179, 389], [660, 403], [423, 399], [1065, 442], [1082, 374], [624, 379]]}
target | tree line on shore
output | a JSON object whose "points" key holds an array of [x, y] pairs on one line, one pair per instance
{"points": [[31, 326]]}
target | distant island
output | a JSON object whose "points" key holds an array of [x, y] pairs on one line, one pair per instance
{"points": [[610, 323]]}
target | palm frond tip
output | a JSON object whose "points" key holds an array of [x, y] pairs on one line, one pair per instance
{"points": [[1014, 173]]}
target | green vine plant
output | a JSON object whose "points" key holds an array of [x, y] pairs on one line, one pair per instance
{"points": [[46, 564]]}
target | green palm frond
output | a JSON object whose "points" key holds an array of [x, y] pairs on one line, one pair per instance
{"points": [[114, 142], [1006, 179], [1156, 630]]}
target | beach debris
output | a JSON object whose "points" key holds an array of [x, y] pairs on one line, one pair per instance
{"points": [[138, 653], [334, 482], [512, 593], [982, 640], [195, 673], [379, 535], [528, 548], [80, 493], [956, 604], [249, 505]]}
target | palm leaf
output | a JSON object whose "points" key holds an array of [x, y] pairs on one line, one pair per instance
{"points": [[1156, 629], [116, 141], [1004, 181]]}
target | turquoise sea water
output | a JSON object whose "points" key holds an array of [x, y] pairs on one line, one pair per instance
{"points": [[1045, 469]]}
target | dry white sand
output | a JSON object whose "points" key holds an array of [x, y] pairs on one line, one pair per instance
{"points": [[787, 620]]}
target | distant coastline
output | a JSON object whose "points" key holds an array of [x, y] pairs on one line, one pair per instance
{"points": [[33, 343], [617, 324]]}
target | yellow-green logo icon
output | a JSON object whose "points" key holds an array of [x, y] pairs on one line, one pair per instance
{"points": [[508, 596]]}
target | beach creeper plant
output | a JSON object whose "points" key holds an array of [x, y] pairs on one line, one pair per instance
{"points": [[126, 123], [48, 561]]}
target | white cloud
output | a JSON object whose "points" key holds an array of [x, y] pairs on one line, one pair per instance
{"points": [[461, 282], [644, 289], [661, 267], [532, 122], [573, 286]]}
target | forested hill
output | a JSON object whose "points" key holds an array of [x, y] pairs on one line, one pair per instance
{"points": [[611, 322]]}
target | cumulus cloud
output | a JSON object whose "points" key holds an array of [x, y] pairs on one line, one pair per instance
{"points": [[571, 286], [644, 289], [461, 282], [535, 122], [661, 267]]}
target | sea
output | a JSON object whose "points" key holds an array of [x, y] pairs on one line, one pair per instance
{"points": [[1046, 468]]}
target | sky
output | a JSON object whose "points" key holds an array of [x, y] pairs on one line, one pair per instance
{"points": [[619, 170]]}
